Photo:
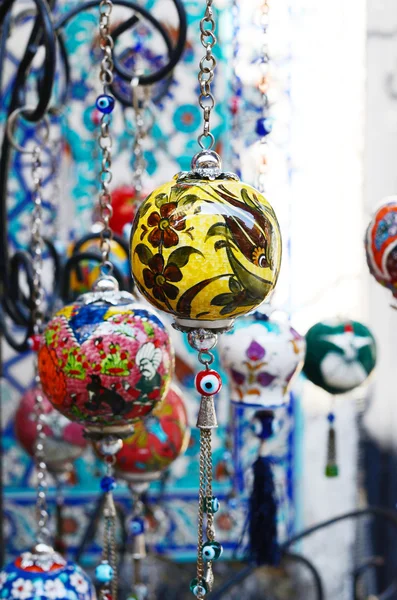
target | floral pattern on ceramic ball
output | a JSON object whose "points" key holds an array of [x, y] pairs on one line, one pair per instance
{"points": [[381, 245], [24, 579], [205, 250], [64, 441], [340, 355], [106, 361], [261, 356], [156, 442]]}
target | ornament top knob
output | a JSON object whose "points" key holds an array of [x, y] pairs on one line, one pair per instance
{"points": [[106, 283], [207, 163]]}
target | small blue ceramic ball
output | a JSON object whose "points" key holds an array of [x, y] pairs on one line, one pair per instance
{"points": [[43, 574]]}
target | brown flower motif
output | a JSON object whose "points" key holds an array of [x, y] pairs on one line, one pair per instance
{"points": [[158, 276], [165, 225]]}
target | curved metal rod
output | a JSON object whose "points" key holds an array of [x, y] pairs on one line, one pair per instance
{"points": [[124, 99], [72, 265], [120, 70], [309, 565], [376, 511]]}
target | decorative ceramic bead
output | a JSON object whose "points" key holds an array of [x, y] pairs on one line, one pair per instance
{"points": [[198, 589], [34, 342], [331, 418], [105, 103], [205, 247], [104, 573], [381, 245], [261, 357], [215, 505], [45, 576], [208, 382], [340, 355], [136, 526], [82, 281], [106, 361], [64, 441], [108, 483], [263, 127], [156, 442], [212, 551]]}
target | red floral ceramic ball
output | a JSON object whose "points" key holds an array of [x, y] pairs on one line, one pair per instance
{"points": [[381, 245], [156, 442], [64, 440], [105, 361]]}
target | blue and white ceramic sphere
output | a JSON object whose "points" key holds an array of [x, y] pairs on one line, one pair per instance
{"points": [[44, 576]]}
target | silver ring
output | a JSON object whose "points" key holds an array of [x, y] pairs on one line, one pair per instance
{"points": [[10, 130]]}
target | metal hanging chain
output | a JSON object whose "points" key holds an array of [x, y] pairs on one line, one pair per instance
{"points": [[37, 320], [141, 98], [206, 73], [105, 138], [201, 506], [263, 127]]}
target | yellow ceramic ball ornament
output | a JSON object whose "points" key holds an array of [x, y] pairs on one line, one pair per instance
{"points": [[205, 247]]}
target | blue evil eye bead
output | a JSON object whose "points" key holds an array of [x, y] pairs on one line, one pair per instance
{"points": [[108, 483], [214, 504], [208, 382], [104, 573], [105, 103], [197, 589], [136, 526], [331, 418], [264, 126], [212, 551]]}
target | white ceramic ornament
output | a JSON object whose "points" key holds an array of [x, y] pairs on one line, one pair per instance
{"points": [[261, 356]]}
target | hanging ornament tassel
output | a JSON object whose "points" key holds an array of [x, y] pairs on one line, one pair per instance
{"points": [[331, 469], [208, 384], [264, 547], [136, 532], [106, 571]]}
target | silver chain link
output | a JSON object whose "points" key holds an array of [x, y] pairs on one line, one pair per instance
{"points": [[141, 97], [105, 139], [206, 73], [37, 322]]}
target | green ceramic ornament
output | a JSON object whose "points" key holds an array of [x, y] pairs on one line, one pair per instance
{"points": [[340, 355]]}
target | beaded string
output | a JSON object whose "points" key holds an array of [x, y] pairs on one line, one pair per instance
{"points": [[264, 124]]}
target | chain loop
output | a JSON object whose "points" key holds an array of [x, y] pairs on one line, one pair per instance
{"points": [[206, 74], [105, 139]]}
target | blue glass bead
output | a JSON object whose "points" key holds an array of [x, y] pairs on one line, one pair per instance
{"points": [[212, 551], [108, 483], [264, 126], [105, 103], [136, 526], [331, 417], [104, 573], [215, 505], [198, 589]]}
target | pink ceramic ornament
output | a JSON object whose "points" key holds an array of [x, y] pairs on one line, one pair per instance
{"points": [[64, 440], [106, 361]]}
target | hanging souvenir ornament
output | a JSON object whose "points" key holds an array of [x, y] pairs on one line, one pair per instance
{"points": [[42, 572], [206, 248], [340, 356], [64, 441], [381, 245], [261, 357], [157, 441]]}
